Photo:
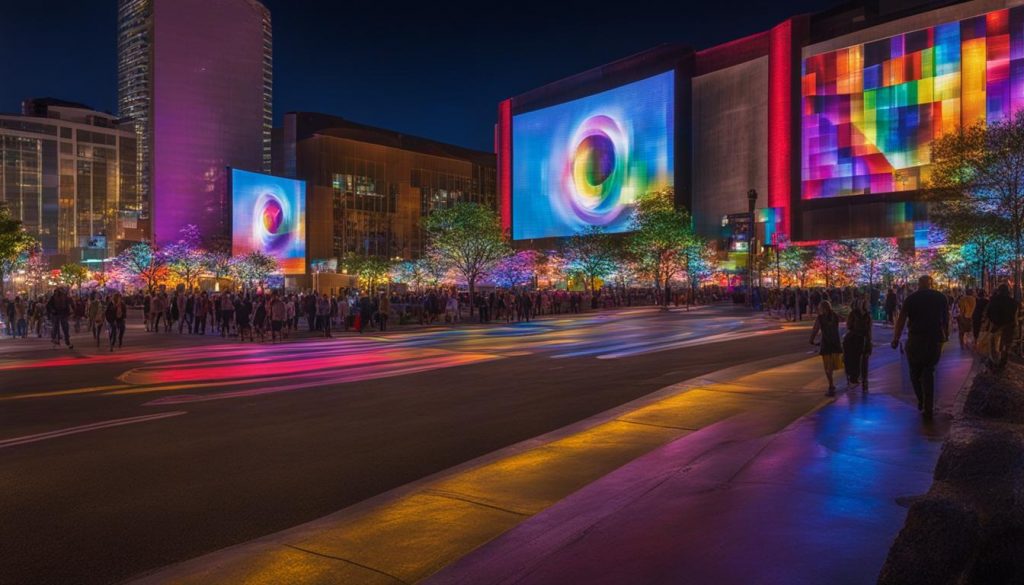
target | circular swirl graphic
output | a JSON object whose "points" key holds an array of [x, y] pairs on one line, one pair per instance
{"points": [[271, 226], [596, 170]]}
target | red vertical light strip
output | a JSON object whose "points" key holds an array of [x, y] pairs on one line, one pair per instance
{"points": [[505, 164], [780, 122]]}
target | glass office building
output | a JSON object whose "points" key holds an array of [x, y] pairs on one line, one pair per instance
{"points": [[70, 174]]}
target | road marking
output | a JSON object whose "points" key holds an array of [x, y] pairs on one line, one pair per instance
{"points": [[64, 392], [117, 422]]}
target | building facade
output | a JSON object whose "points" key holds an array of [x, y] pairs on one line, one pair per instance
{"points": [[828, 116], [368, 189], [70, 175], [195, 77]]}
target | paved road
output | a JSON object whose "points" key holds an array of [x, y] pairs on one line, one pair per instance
{"points": [[116, 464]]}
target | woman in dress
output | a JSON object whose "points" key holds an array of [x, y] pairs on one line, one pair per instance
{"points": [[831, 347], [857, 344]]}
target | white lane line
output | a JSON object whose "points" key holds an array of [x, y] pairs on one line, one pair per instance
{"points": [[13, 442]]}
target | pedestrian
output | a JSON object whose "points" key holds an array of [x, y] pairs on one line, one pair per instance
{"points": [[20, 317], [227, 312], [891, 301], [259, 317], [927, 312], [383, 311], [965, 309], [59, 309], [978, 316], [857, 344], [323, 314], [243, 312], [831, 350], [1001, 315], [278, 312], [116, 313], [95, 315]]}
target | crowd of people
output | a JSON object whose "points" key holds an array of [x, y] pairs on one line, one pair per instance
{"points": [[986, 325], [275, 315], [59, 313]]}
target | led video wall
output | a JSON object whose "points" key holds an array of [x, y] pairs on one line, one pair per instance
{"points": [[584, 162], [268, 214], [871, 111]]}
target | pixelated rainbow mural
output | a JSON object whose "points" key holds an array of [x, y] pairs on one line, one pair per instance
{"points": [[871, 111]]}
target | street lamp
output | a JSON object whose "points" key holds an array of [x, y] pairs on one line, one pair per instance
{"points": [[751, 203]]}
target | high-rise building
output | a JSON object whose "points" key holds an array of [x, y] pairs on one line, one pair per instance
{"points": [[195, 77], [70, 175]]}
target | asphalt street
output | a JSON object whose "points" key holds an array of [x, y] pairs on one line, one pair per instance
{"points": [[114, 464]]}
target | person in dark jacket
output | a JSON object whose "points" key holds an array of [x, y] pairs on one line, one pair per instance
{"points": [[857, 344], [978, 316], [59, 309], [927, 311], [1002, 317]]}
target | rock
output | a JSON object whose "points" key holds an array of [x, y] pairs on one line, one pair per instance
{"points": [[998, 396], [1000, 560], [936, 545], [974, 452]]}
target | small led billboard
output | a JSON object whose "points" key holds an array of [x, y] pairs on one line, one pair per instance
{"points": [[269, 214], [585, 162]]}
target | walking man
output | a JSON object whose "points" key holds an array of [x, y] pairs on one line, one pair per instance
{"points": [[928, 313]]}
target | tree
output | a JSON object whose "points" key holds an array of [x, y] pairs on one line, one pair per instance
{"points": [[371, 270], [662, 235], [980, 169], [186, 258], [871, 256], [466, 238], [142, 262], [832, 260], [255, 268], [699, 262], [591, 254], [412, 272], [959, 224], [15, 243], [73, 274], [798, 263], [218, 263], [549, 266], [514, 270]]}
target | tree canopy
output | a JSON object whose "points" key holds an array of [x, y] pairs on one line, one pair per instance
{"points": [[466, 238]]}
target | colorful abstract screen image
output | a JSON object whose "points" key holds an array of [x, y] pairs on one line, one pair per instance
{"points": [[585, 162], [871, 111], [269, 214]]}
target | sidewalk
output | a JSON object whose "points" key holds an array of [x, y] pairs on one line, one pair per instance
{"points": [[722, 479], [819, 502]]}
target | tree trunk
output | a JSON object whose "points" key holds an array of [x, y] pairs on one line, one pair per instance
{"points": [[472, 296], [1016, 266]]}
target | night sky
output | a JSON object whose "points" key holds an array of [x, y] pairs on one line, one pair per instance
{"points": [[435, 69]]}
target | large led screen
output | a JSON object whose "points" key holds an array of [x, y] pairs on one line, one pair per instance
{"points": [[871, 111], [584, 162], [268, 214]]}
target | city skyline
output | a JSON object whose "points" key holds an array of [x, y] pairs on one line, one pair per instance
{"points": [[313, 74]]}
